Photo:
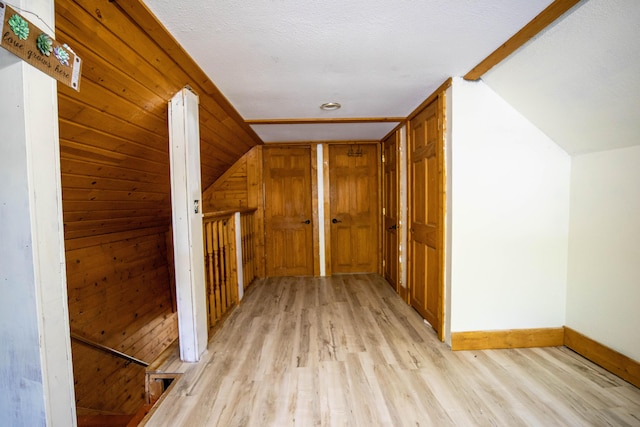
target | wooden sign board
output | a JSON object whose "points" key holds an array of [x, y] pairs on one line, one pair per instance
{"points": [[32, 45]]}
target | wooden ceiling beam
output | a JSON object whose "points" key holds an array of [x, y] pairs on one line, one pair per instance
{"points": [[545, 18], [307, 121]]}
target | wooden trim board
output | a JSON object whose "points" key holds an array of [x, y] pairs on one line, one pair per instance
{"points": [[614, 362], [322, 120], [438, 92], [509, 338], [545, 18]]}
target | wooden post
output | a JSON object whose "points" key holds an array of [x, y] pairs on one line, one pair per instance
{"points": [[36, 379], [186, 197]]}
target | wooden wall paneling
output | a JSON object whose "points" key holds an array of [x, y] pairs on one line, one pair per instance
{"points": [[91, 228], [229, 191], [115, 179], [112, 145], [90, 153], [139, 13], [86, 242], [91, 117], [241, 186], [113, 325], [91, 194], [98, 388], [255, 199], [87, 168], [119, 296], [100, 183], [115, 105]]}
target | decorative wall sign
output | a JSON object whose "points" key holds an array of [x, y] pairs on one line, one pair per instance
{"points": [[32, 45]]}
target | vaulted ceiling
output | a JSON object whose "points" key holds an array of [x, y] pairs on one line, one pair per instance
{"points": [[278, 61], [579, 80], [282, 59]]}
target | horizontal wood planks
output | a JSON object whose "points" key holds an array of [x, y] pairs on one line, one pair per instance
{"points": [[114, 156], [119, 296], [347, 351], [114, 132], [240, 187]]}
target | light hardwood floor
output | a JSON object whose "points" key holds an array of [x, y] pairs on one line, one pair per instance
{"points": [[346, 351]]}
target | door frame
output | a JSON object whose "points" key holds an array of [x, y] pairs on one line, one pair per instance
{"points": [[327, 200], [315, 218], [392, 139], [439, 96]]}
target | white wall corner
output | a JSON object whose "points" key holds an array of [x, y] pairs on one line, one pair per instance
{"points": [[509, 219]]}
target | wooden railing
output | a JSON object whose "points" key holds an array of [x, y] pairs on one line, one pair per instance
{"points": [[128, 359], [225, 280]]}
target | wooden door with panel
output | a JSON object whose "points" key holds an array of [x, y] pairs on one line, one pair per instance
{"points": [[390, 211], [426, 216], [288, 211], [354, 207]]}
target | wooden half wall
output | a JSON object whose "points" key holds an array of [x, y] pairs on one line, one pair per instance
{"points": [[241, 188], [114, 149]]}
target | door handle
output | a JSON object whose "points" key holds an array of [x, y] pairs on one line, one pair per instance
{"points": [[393, 227], [335, 221], [307, 221]]}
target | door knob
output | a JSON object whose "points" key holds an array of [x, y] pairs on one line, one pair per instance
{"points": [[393, 227], [335, 221], [307, 221]]}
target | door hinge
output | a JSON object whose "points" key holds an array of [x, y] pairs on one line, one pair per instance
{"points": [[384, 211], [383, 159], [384, 263]]}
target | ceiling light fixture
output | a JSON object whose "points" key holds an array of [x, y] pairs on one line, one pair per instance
{"points": [[330, 106]]}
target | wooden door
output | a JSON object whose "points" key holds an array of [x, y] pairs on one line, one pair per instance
{"points": [[390, 210], [353, 178], [288, 211], [426, 218]]}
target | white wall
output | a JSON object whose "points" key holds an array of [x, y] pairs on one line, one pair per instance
{"points": [[509, 216], [603, 295], [36, 377]]}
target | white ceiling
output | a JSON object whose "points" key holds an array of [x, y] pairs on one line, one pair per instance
{"points": [[579, 81], [281, 59]]}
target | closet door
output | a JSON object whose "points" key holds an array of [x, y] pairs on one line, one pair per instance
{"points": [[390, 210], [353, 177], [288, 211], [426, 216]]}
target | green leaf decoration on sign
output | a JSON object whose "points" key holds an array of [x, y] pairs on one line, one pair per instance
{"points": [[62, 55], [19, 26], [45, 44]]}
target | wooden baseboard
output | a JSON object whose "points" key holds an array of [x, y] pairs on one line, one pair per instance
{"points": [[614, 362], [510, 338]]}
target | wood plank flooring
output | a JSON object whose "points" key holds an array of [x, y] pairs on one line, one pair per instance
{"points": [[346, 351]]}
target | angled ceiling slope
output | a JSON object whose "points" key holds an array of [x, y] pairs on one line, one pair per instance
{"points": [[283, 59], [578, 80]]}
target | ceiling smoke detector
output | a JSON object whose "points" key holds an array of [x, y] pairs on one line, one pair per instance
{"points": [[330, 106]]}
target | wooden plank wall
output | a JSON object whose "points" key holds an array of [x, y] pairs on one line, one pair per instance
{"points": [[239, 188], [120, 297], [115, 185]]}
